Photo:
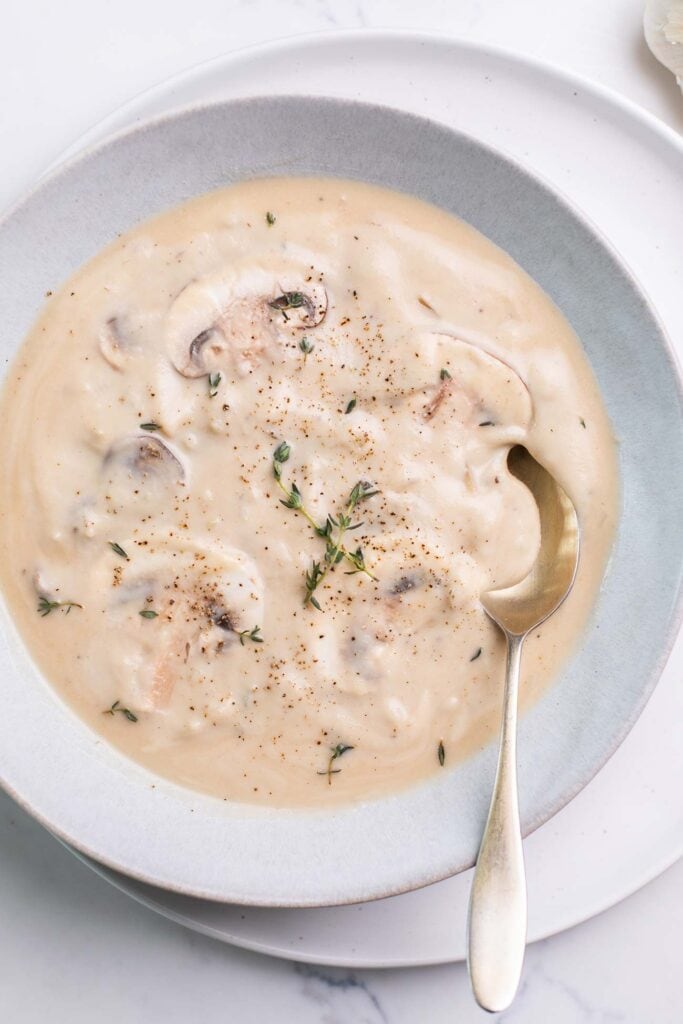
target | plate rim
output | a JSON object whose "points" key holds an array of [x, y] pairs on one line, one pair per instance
{"points": [[324, 36]]}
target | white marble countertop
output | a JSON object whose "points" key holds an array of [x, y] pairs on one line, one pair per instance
{"points": [[71, 947]]}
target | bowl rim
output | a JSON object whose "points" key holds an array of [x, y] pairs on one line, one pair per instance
{"points": [[575, 212]]}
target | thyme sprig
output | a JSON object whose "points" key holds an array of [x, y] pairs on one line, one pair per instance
{"points": [[126, 712], [214, 381], [337, 752], [250, 634], [117, 549], [333, 530], [441, 753], [45, 606], [313, 579]]}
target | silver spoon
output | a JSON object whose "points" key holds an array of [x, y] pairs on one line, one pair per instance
{"points": [[498, 906]]}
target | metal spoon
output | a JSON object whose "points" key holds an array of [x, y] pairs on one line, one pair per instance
{"points": [[498, 911]]}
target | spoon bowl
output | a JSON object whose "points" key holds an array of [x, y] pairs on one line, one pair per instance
{"points": [[526, 604]]}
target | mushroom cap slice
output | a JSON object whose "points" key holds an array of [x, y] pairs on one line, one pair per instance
{"points": [[111, 344], [476, 387], [142, 458], [236, 318], [418, 584], [204, 595]]}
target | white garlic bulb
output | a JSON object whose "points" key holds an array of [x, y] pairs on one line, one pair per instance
{"points": [[664, 33]]}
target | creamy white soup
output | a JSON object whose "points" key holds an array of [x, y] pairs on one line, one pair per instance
{"points": [[254, 479]]}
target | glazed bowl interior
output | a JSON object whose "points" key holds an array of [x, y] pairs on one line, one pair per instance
{"points": [[116, 811]]}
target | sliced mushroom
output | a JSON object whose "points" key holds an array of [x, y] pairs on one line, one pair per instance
{"points": [[416, 586], [420, 588], [112, 344], [204, 598], [145, 456], [238, 318], [477, 388]]}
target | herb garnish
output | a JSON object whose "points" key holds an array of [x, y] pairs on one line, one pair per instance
{"points": [[45, 606], [150, 426], [477, 654], [118, 550], [250, 634], [270, 219], [445, 375], [214, 381], [306, 346], [582, 422], [313, 578], [441, 753], [337, 751], [350, 407], [288, 300], [148, 613], [487, 423], [280, 455], [126, 712], [335, 550]]}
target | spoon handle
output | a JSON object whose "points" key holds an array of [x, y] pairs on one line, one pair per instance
{"points": [[498, 913]]}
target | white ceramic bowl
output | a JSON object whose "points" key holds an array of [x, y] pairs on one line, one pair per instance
{"points": [[119, 813]]}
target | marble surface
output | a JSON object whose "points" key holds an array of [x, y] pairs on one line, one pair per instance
{"points": [[71, 947]]}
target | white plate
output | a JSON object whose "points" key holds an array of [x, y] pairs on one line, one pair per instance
{"points": [[627, 825]]}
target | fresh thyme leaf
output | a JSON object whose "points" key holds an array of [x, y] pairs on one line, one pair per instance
{"points": [[312, 579], [126, 712], [477, 654], [487, 423], [288, 300], [350, 407], [326, 530], [337, 752], [357, 560], [441, 753], [270, 218], [582, 422], [445, 375], [214, 381], [150, 426], [293, 499], [361, 492], [45, 606], [118, 549], [306, 346], [147, 613], [281, 453], [251, 634]]}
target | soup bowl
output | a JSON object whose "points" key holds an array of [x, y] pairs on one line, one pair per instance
{"points": [[116, 811]]}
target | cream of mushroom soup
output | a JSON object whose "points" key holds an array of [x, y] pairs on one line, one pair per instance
{"points": [[254, 480]]}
